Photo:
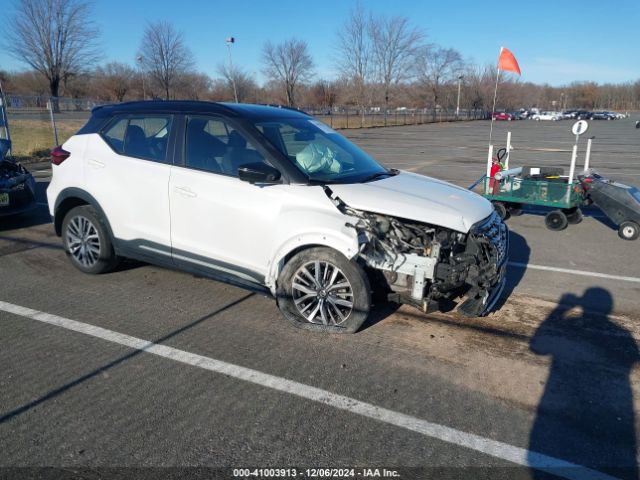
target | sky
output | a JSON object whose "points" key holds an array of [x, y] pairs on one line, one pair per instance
{"points": [[555, 42]]}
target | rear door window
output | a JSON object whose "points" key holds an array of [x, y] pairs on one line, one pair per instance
{"points": [[144, 137]]}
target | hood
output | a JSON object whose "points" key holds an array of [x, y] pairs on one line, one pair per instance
{"points": [[416, 197]]}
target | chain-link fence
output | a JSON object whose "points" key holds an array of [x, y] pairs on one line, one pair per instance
{"points": [[39, 122], [344, 118]]}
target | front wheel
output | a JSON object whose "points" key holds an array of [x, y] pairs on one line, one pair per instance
{"points": [[320, 289], [629, 230]]}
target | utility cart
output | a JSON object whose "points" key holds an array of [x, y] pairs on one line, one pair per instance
{"points": [[547, 187], [511, 188]]}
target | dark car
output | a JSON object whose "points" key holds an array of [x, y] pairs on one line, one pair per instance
{"points": [[17, 185], [582, 115], [17, 188], [602, 116]]}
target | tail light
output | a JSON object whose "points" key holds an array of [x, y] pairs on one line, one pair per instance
{"points": [[59, 155]]}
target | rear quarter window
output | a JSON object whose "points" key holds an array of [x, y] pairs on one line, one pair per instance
{"points": [[144, 136]]}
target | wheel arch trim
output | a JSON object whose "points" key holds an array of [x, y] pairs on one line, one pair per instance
{"points": [[72, 193], [342, 242]]}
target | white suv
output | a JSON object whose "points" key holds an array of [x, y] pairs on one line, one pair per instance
{"points": [[271, 199]]}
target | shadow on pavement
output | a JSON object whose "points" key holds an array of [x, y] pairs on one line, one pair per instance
{"points": [[586, 413], [589, 211], [67, 386], [520, 252]]}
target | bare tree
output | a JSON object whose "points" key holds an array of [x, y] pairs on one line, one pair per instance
{"points": [[323, 94], [437, 67], [54, 37], [395, 45], [288, 63], [164, 55], [192, 86], [245, 85], [116, 79], [354, 54]]}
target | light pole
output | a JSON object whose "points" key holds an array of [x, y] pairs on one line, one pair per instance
{"points": [[140, 59], [458, 102], [229, 41]]}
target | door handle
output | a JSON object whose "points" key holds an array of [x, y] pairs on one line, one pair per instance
{"points": [[185, 192], [96, 163]]}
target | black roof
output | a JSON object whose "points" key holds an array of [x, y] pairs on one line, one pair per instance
{"points": [[245, 110]]}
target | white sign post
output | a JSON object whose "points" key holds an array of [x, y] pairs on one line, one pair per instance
{"points": [[578, 129]]}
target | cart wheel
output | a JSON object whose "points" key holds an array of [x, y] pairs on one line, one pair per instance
{"points": [[514, 209], [556, 220], [501, 210], [574, 215], [629, 230]]}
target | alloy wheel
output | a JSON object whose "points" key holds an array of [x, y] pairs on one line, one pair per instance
{"points": [[322, 293], [83, 241]]}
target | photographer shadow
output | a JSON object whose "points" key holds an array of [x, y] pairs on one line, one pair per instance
{"points": [[586, 413]]}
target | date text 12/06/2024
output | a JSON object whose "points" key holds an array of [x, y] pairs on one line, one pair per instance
{"points": [[315, 473]]}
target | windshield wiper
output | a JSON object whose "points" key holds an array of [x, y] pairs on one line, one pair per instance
{"points": [[391, 172]]}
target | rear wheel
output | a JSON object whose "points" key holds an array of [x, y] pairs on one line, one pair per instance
{"points": [[556, 220], [514, 209], [319, 289], [501, 210], [86, 241], [574, 215], [629, 230]]}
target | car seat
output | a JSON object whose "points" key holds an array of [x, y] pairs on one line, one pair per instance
{"points": [[203, 149], [135, 142], [238, 154]]}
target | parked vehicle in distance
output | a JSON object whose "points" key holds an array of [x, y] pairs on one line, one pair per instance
{"points": [[603, 116], [553, 116], [502, 116], [583, 115], [272, 200]]}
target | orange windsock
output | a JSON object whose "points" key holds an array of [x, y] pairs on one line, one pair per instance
{"points": [[507, 62]]}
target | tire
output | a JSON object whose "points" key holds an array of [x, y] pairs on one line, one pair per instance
{"points": [[629, 230], [556, 220], [320, 263], [501, 210], [514, 209], [574, 216], [86, 241]]}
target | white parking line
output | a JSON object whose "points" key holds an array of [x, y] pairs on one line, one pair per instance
{"points": [[478, 443], [574, 272]]}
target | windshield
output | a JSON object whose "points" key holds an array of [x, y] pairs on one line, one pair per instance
{"points": [[320, 152]]}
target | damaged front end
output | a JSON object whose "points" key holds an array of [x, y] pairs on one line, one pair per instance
{"points": [[17, 188], [428, 266]]}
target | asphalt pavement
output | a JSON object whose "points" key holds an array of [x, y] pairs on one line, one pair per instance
{"points": [[181, 376]]}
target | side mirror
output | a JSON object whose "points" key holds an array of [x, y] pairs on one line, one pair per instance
{"points": [[638, 124], [258, 172]]}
